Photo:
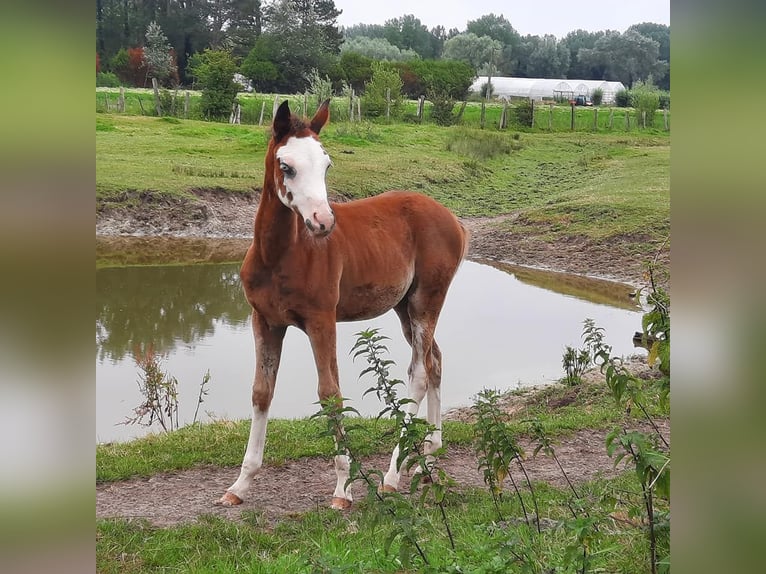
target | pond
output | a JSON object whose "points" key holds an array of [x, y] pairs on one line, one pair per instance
{"points": [[502, 327]]}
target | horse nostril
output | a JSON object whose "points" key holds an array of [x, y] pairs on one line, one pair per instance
{"points": [[321, 226]]}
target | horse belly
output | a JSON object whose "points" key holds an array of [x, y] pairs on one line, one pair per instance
{"points": [[369, 300]]}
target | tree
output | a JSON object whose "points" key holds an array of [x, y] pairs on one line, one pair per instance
{"points": [[157, 54], [355, 69], [660, 33], [409, 33], [376, 49], [476, 51], [259, 66], [499, 29], [625, 57], [548, 58], [305, 36], [214, 70], [575, 41]]}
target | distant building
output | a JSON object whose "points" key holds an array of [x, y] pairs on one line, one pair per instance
{"points": [[547, 89]]}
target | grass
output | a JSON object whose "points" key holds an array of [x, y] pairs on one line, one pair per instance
{"points": [[329, 541], [593, 184], [220, 443]]}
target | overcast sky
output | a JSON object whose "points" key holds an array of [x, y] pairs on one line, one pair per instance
{"points": [[557, 17]]}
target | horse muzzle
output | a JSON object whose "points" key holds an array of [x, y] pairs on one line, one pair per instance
{"points": [[321, 223]]}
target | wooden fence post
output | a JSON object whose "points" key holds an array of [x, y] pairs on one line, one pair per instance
{"points": [[421, 105], [157, 104], [141, 105], [532, 103], [643, 118], [388, 105], [665, 114], [572, 122], [595, 119], [550, 117], [274, 108], [121, 101], [504, 116], [627, 121], [460, 113], [359, 109], [187, 104], [611, 117], [260, 119], [483, 111]]}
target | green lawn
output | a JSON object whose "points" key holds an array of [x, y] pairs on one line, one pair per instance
{"points": [[594, 184]]}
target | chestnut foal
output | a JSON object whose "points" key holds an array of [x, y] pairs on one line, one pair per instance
{"points": [[313, 263]]}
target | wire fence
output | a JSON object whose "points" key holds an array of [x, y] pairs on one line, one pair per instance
{"points": [[259, 109]]}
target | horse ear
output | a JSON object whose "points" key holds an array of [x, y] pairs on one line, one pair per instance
{"points": [[320, 118], [281, 125]]}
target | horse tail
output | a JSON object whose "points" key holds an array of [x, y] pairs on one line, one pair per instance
{"points": [[466, 240]]}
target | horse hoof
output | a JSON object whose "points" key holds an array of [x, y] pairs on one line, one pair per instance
{"points": [[339, 503], [228, 499], [386, 488]]}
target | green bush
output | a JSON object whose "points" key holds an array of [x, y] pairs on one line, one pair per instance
{"points": [[214, 71], [645, 98], [524, 113], [384, 78], [664, 100], [622, 99], [441, 110], [597, 96], [107, 80]]}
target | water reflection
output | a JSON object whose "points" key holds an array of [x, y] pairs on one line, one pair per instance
{"points": [[164, 306], [501, 327]]}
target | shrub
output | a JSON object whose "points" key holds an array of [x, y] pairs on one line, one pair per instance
{"points": [[524, 113], [645, 98], [622, 99], [487, 86], [597, 96], [374, 99], [664, 100], [214, 71], [319, 87], [441, 111], [107, 80]]}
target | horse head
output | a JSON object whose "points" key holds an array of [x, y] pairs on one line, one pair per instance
{"points": [[300, 167]]}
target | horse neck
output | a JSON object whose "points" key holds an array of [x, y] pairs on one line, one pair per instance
{"points": [[275, 224]]}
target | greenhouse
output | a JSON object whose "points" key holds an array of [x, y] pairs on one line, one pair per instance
{"points": [[547, 89]]}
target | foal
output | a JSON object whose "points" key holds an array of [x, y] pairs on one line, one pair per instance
{"points": [[313, 263]]}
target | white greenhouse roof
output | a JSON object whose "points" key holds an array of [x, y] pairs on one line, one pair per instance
{"points": [[539, 88]]}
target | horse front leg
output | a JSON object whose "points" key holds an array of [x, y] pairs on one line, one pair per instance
{"points": [[268, 350], [322, 334]]}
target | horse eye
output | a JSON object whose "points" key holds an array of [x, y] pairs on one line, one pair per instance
{"points": [[288, 171]]}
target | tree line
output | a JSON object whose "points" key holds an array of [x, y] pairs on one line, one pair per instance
{"points": [[279, 44]]}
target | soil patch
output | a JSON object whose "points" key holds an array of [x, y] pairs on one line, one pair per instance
{"points": [[217, 213]]}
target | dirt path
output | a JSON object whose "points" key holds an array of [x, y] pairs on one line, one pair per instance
{"points": [[298, 486], [305, 484]]}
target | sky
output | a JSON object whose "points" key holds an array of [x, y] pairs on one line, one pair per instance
{"points": [[557, 17]]}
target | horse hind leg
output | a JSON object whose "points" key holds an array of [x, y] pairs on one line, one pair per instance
{"points": [[419, 333]]}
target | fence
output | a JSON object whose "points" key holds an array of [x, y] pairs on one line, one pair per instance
{"points": [[258, 109]]}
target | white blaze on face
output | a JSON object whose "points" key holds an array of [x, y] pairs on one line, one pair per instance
{"points": [[304, 162]]}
